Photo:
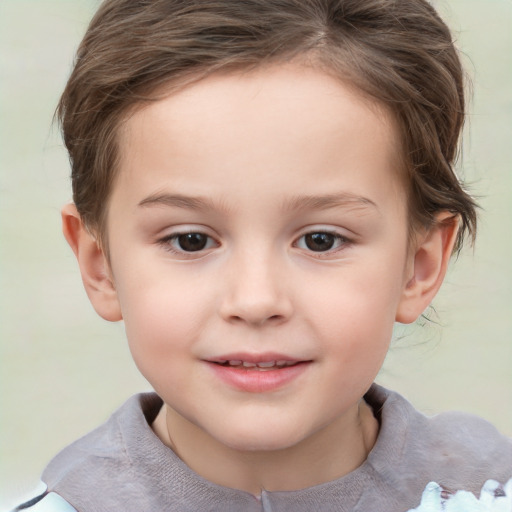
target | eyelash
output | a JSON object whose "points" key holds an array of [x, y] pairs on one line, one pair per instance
{"points": [[340, 242], [168, 243]]}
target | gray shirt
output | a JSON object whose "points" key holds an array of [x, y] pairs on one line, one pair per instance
{"points": [[122, 465]]}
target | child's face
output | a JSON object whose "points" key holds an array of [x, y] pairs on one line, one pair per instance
{"points": [[287, 183]]}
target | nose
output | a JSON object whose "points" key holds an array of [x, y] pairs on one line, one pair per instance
{"points": [[255, 291]]}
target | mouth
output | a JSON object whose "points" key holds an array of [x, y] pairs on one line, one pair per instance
{"points": [[258, 366], [258, 373]]}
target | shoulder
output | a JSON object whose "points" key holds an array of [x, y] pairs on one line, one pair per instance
{"points": [[475, 436], [105, 462], [108, 441], [459, 451], [448, 434], [464, 441], [46, 502]]}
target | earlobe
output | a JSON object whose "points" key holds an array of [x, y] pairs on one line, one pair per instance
{"points": [[93, 264], [429, 265]]}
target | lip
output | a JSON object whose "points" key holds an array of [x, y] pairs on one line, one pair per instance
{"points": [[254, 358], [252, 380]]}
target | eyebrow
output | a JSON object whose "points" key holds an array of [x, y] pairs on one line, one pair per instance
{"points": [[302, 202], [178, 201], [325, 202]]}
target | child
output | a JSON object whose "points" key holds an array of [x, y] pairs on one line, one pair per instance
{"points": [[262, 188]]}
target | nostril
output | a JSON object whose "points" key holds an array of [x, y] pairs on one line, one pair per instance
{"points": [[256, 319], [254, 307]]}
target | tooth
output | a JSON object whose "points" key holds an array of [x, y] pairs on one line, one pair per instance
{"points": [[267, 364], [249, 365], [281, 363], [235, 363]]}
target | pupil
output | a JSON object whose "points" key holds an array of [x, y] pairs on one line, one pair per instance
{"points": [[319, 241], [192, 241]]}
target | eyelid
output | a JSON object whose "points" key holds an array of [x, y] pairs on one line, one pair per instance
{"points": [[345, 241], [165, 241]]}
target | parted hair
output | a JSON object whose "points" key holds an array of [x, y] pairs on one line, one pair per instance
{"points": [[397, 52]]}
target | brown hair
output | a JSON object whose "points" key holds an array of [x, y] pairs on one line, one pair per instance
{"points": [[398, 52]]}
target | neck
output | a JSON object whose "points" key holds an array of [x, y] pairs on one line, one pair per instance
{"points": [[330, 453]]}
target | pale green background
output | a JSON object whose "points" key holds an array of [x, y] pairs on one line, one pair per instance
{"points": [[63, 370]]}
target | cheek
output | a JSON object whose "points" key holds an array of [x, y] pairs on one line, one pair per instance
{"points": [[355, 314], [162, 316], [359, 296]]}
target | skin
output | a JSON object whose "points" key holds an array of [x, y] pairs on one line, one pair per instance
{"points": [[255, 162]]}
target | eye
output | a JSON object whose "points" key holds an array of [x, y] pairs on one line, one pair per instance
{"points": [[191, 242], [188, 242], [321, 241]]}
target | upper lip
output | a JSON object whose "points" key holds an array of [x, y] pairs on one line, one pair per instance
{"points": [[265, 357]]}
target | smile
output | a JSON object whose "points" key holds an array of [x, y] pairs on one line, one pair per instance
{"points": [[258, 373], [263, 365]]}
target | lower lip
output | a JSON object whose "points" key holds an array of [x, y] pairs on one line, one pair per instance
{"points": [[258, 381]]}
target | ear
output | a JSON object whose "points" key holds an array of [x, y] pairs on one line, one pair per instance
{"points": [[93, 264], [427, 267]]}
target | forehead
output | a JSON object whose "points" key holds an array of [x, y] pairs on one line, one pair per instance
{"points": [[273, 121]]}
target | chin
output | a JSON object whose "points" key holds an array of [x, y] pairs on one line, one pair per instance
{"points": [[260, 439]]}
